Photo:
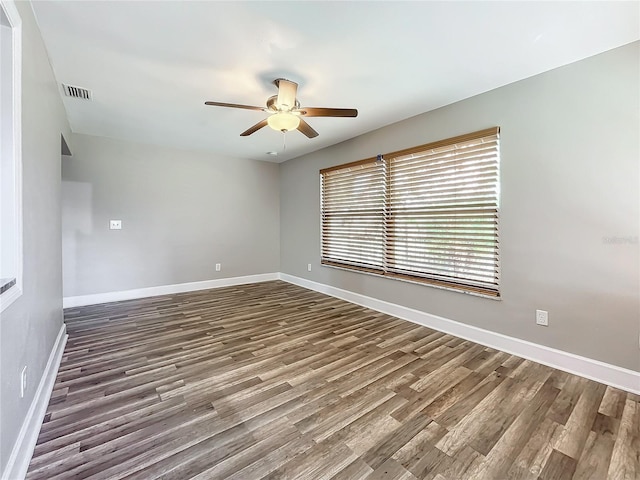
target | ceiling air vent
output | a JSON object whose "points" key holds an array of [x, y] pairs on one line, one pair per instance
{"points": [[76, 92]]}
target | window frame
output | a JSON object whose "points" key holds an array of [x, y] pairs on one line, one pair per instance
{"points": [[13, 291], [492, 291]]}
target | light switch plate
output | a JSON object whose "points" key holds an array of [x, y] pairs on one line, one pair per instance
{"points": [[115, 224]]}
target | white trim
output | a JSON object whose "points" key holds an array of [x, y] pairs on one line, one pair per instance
{"points": [[416, 282], [11, 295], [11, 11], [596, 370], [22, 452], [82, 300]]}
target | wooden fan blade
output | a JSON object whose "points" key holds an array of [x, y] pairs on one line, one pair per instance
{"points": [[305, 128], [287, 91], [234, 105], [255, 128], [328, 112]]}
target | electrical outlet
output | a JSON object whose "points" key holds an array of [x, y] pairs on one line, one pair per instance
{"points": [[23, 381], [218, 267], [542, 318], [115, 224], [308, 267]]}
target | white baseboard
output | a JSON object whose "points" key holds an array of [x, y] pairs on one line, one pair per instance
{"points": [[608, 374], [20, 457], [107, 297]]}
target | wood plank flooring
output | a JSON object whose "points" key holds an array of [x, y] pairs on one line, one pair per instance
{"points": [[274, 381]]}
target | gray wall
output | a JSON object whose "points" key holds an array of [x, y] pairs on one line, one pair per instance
{"points": [[28, 328], [569, 182], [182, 212]]}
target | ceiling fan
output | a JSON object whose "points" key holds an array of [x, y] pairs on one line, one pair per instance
{"points": [[285, 113]]}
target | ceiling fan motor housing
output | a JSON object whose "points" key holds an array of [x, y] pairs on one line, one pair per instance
{"points": [[272, 104]]}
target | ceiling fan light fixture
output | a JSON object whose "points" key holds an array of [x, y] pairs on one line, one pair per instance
{"points": [[283, 121]]}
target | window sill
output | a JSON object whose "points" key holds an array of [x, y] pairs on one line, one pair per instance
{"points": [[10, 291], [416, 281], [6, 284]]}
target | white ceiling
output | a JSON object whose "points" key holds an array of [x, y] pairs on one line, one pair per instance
{"points": [[152, 65]]}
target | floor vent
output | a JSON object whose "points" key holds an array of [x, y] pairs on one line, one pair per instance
{"points": [[76, 92]]}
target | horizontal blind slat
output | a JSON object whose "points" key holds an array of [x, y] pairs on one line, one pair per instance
{"points": [[466, 178], [456, 262], [435, 164], [481, 283]]}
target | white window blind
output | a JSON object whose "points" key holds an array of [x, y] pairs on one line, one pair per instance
{"points": [[427, 214]]}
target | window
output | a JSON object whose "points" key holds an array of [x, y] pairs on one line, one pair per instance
{"points": [[426, 214], [10, 156]]}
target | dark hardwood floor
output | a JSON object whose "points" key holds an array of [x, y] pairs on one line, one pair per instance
{"points": [[274, 381]]}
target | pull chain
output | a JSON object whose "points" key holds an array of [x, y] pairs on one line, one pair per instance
{"points": [[284, 141]]}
